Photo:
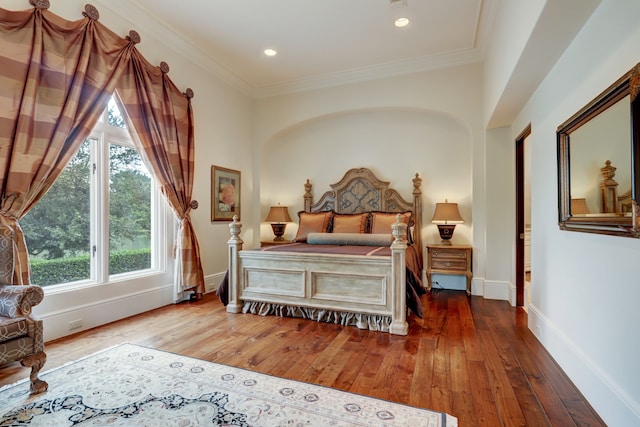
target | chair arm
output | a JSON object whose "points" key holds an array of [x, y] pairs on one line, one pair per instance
{"points": [[17, 300]]}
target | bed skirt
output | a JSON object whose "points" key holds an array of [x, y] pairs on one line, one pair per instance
{"points": [[373, 322]]}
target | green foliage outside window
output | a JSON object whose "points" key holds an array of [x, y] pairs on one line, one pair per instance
{"points": [[58, 225], [65, 270]]}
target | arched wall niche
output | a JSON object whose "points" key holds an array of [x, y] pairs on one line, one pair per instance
{"points": [[393, 142]]}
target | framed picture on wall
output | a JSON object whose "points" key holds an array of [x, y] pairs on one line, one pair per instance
{"points": [[225, 193]]}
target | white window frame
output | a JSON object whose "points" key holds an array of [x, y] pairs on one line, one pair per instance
{"points": [[162, 220]]}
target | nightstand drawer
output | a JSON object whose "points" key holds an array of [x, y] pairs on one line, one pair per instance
{"points": [[449, 253], [449, 264]]}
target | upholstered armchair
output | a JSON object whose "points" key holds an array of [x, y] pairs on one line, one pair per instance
{"points": [[21, 335]]}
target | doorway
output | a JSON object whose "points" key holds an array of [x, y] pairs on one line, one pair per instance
{"points": [[523, 216]]}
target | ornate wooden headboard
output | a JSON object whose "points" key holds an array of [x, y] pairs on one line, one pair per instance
{"points": [[360, 191]]}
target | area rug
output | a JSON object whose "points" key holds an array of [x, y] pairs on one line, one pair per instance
{"points": [[129, 385]]}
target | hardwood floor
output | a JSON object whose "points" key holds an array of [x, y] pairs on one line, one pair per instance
{"points": [[469, 357]]}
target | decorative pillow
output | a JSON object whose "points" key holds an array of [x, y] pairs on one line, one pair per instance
{"points": [[350, 223], [312, 222], [381, 221], [355, 239]]}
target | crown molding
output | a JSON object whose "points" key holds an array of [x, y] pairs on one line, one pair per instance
{"points": [[146, 22], [374, 72]]}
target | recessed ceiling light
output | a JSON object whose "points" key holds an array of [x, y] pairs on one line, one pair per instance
{"points": [[401, 22], [270, 52]]}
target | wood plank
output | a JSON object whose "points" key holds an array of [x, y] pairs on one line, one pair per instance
{"points": [[505, 398], [484, 405], [551, 404], [420, 393], [353, 348], [324, 369]]}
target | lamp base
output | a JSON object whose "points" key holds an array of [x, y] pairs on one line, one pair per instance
{"points": [[278, 230], [446, 233]]}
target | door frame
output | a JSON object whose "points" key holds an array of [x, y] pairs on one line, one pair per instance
{"points": [[520, 214]]}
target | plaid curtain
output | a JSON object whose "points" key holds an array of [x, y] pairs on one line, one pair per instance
{"points": [[57, 77], [153, 103]]}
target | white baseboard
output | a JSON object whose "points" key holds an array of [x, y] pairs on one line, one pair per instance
{"points": [[212, 281], [57, 320], [615, 406], [59, 313], [493, 289]]}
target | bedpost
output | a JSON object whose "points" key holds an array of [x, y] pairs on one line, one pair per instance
{"points": [[417, 206], [399, 324], [308, 197], [235, 245]]}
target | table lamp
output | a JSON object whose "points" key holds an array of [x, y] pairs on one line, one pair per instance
{"points": [[446, 216], [579, 207], [278, 217]]}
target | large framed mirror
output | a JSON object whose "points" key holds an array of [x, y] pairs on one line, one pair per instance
{"points": [[599, 162]]}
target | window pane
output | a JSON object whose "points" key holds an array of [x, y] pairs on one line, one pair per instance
{"points": [[57, 229], [129, 211], [114, 118]]}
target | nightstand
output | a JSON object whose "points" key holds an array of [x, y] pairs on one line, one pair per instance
{"points": [[265, 243], [449, 259]]}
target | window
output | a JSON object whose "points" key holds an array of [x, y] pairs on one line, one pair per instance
{"points": [[97, 222]]}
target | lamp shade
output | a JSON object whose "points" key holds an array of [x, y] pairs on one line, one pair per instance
{"points": [[447, 213], [579, 207], [278, 214]]}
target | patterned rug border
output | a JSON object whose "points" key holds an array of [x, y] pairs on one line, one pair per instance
{"points": [[445, 419], [64, 365]]}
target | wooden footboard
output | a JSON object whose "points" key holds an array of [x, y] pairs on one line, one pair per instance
{"points": [[372, 285]]}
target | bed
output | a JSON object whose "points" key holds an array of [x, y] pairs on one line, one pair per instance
{"points": [[367, 279]]}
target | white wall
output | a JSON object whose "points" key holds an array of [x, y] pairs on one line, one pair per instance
{"points": [[426, 123], [222, 120], [500, 174], [512, 26], [527, 37], [585, 287]]}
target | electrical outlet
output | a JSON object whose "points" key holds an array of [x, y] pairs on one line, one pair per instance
{"points": [[75, 324]]}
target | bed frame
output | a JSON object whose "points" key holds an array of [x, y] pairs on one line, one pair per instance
{"points": [[354, 286]]}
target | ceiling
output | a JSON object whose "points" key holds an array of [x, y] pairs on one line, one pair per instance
{"points": [[322, 42]]}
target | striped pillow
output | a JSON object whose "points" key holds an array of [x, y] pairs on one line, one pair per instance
{"points": [[350, 223], [312, 222]]}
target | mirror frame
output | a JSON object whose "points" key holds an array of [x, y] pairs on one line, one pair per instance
{"points": [[627, 226]]}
